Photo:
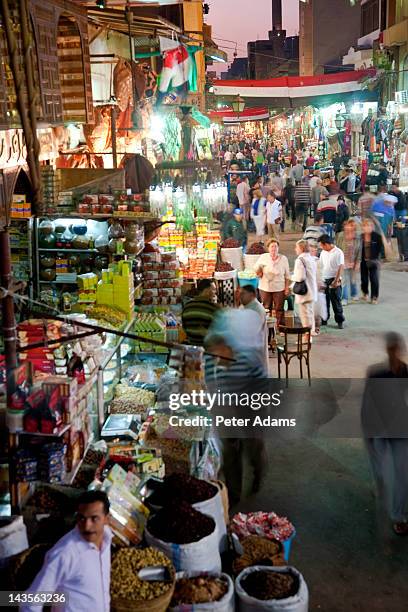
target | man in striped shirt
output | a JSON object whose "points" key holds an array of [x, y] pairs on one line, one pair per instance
{"points": [[198, 314], [303, 201]]}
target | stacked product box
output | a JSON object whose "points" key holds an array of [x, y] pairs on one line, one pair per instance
{"points": [[87, 286], [20, 208], [152, 327], [51, 182], [162, 279], [117, 287]]}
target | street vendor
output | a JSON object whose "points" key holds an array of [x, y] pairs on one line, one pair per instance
{"points": [[235, 228], [78, 566]]}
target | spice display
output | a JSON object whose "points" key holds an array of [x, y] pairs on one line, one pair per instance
{"points": [[259, 551], [230, 243], [265, 585], [132, 400], [125, 581], [179, 523], [198, 590], [266, 524], [257, 248], [224, 267], [183, 487]]}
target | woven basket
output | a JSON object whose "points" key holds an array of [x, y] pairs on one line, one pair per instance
{"points": [[159, 604], [224, 498]]}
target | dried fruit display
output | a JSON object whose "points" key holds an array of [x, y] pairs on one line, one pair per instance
{"points": [[179, 523], [198, 590], [266, 585], [184, 488], [224, 267], [259, 551], [230, 243], [256, 249]]}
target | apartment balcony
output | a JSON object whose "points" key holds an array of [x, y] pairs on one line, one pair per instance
{"points": [[396, 35], [359, 58]]}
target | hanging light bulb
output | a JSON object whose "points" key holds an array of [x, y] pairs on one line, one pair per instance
{"points": [[101, 4]]}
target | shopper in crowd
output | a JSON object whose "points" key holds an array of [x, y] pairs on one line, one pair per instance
{"points": [[318, 193], [277, 184], [332, 262], [383, 175], [349, 241], [371, 249], [306, 270], [289, 200], [79, 564], [366, 201], [314, 231], [249, 301], [273, 215], [328, 208], [401, 205], [296, 174], [302, 203], [383, 211], [316, 176], [199, 313], [258, 213], [351, 182], [310, 161], [383, 420], [235, 227], [336, 161], [243, 195], [273, 271], [319, 306], [342, 214], [333, 186], [236, 345]]}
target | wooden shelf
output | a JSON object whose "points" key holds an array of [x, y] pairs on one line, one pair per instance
{"points": [[46, 435], [70, 251]]}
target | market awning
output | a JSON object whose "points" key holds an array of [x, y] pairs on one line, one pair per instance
{"points": [[249, 114], [289, 92]]}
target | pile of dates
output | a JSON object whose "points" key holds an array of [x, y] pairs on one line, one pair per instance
{"points": [[230, 243], [224, 267], [256, 249]]}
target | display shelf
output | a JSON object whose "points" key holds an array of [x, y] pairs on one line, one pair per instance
{"points": [[46, 435], [84, 389], [70, 250], [58, 282], [115, 215], [70, 476]]}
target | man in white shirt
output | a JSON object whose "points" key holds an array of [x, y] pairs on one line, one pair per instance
{"points": [[227, 157], [332, 264], [273, 215], [240, 155], [79, 564]]}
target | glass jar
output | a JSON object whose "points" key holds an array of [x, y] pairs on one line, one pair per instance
{"points": [[116, 230]]}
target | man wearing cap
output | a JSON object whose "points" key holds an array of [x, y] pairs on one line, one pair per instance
{"points": [[234, 228]]}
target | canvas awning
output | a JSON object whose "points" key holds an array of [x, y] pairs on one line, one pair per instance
{"points": [[290, 92], [230, 116]]}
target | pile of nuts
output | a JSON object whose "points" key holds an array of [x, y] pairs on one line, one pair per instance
{"points": [[259, 551], [266, 585], [125, 582], [198, 590], [180, 523], [132, 400]]}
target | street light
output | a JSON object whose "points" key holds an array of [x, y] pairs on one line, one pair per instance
{"points": [[340, 122], [238, 105]]}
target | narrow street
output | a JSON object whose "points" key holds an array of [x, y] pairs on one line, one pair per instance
{"points": [[351, 559]]}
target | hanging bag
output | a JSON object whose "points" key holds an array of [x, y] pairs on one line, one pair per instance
{"points": [[300, 287]]}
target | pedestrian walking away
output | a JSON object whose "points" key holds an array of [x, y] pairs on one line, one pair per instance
{"points": [[332, 262]]}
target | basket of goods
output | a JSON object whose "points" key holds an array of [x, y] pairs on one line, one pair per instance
{"points": [[188, 537], [248, 277], [258, 551], [252, 255], [129, 589], [202, 495], [267, 525], [201, 592], [224, 271], [277, 589], [231, 252]]}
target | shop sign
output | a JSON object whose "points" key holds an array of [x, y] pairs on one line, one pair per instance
{"points": [[13, 150]]}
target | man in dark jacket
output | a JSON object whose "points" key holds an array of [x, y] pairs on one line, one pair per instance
{"points": [[234, 228], [401, 206]]}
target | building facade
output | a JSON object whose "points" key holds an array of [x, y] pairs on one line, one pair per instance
{"points": [[327, 29]]}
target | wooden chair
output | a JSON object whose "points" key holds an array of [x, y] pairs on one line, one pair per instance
{"points": [[295, 347]]}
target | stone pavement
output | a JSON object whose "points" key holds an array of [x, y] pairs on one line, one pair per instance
{"points": [[345, 549]]}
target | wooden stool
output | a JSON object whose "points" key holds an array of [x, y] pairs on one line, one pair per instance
{"points": [[271, 324], [299, 347]]}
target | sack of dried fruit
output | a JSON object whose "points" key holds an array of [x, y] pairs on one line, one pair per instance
{"points": [[201, 592], [276, 589], [188, 537], [258, 551]]}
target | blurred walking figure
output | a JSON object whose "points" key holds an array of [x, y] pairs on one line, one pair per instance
{"points": [[370, 261], [236, 342], [349, 242], [258, 213], [384, 413]]}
